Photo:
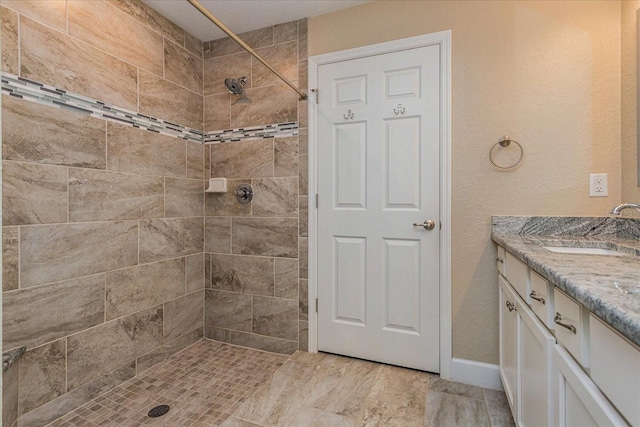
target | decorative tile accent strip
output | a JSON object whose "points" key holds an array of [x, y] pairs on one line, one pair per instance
{"points": [[10, 357], [30, 90], [44, 94], [260, 132]]}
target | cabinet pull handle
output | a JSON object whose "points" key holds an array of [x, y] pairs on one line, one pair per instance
{"points": [[558, 320], [500, 260], [511, 306], [536, 296]]}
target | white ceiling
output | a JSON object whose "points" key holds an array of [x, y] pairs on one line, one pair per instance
{"points": [[243, 15]]}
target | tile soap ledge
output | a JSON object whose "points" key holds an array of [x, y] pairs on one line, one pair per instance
{"points": [[592, 280]]}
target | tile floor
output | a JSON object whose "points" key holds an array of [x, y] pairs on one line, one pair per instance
{"points": [[218, 384]]}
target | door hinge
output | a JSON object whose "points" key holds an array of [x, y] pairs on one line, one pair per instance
{"points": [[315, 92], [316, 200], [316, 305]]}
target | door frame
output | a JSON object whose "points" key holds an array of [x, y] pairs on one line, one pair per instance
{"points": [[443, 39]]}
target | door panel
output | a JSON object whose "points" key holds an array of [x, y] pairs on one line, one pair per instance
{"points": [[350, 277], [402, 163], [378, 170], [349, 165]]}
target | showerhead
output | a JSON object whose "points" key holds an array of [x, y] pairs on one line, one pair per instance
{"points": [[236, 86]]}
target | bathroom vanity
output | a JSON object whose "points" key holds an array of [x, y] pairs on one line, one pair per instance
{"points": [[569, 294]]}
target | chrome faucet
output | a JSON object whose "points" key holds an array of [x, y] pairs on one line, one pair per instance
{"points": [[620, 208]]}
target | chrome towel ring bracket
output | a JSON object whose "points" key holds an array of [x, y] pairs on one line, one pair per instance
{"points": [[504, 142]]}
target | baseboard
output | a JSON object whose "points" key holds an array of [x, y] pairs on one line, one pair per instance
{"points": [[485, 375]]}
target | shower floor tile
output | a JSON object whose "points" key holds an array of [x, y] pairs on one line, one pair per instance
{"points": [[218, 384]]}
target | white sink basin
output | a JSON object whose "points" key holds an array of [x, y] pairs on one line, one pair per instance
{"points": [[583, 251]]}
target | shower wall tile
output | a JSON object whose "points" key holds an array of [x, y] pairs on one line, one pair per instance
{"points": [[276, 237], [303, 113], [275, 317], [42, 134], [231, 66], [193, 45], [161, 98], [283, 57], [246, 159], [304, 299], [303, 244], [10, 258], [275, 197], [207, 269], [52, 12], [303, 140], [194, 272], [184, 197], [239, 273], [195, 161], [225, 204], [42, 314], [134, 150], [217, 234], [183, 315], [303, 334], [106, 27], [304, 215], [103, 196], [170, 238], [229, 310], [152, 19], [303, 75], [9, 40], [50, 56], [42, 375], [52, 253], [285, 156], [33, 193], [217, 334], [160, 354], [302, 40], [137, 288], [10, 379], [256, 38], [261, 342], [217, 112], [303, 167], [286, 32], [286, 278], [183, 67], [269, 104], [78, 397], [96, 351]]}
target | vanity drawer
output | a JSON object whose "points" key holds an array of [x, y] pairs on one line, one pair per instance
{"points": [[517, 273], [572, 326], [615, 368], [500, 259], [541, 299]]}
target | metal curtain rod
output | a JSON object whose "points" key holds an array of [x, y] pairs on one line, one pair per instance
{"points": [[245, 46]]}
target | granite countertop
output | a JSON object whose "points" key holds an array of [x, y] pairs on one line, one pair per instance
{"points": [[609, 286]]}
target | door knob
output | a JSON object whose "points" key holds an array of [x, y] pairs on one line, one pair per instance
{"points": [[428, 224]]}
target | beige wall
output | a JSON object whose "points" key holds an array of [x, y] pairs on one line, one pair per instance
{"points": [[629, 140], [546, 73]]}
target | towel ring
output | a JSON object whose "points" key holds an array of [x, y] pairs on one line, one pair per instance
{"points": [[504, 142]]}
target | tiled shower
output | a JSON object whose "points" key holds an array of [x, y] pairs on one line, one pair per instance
{"points": [[113, 256]]}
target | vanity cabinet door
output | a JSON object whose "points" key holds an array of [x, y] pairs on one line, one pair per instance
{"points": [[508, 343], [535, 360], [579, 403]]}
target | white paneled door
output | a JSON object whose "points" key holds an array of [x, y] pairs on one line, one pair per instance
{"points": [[378, 175]]}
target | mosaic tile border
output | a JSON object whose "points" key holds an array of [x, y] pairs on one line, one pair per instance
{"points": [[30, 90]]}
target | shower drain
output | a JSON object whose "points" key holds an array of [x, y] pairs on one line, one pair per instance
{"points": [[158, 411]]}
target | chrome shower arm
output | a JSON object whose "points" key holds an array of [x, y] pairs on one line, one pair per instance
{"points": [[245, 46]]}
